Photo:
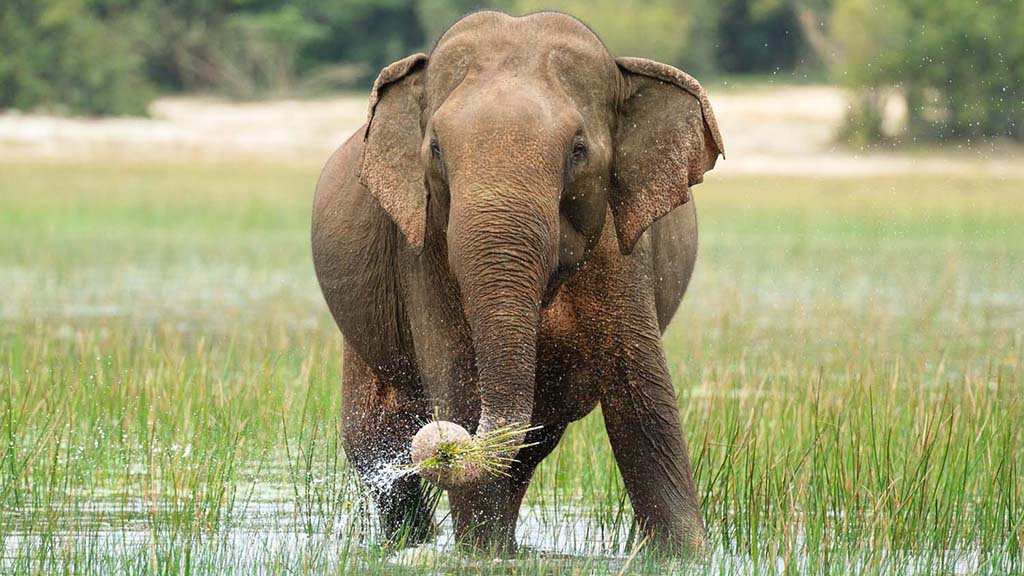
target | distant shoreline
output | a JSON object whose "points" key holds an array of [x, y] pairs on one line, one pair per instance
{"points": [[772, 130]]}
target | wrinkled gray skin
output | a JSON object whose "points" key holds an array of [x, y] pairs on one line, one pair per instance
{"points": [[502, 242]]}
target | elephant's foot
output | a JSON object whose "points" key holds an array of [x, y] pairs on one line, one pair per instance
{"points": [[409, 535], [687, 541], [489, 541], [485, 516], [406, 513]]}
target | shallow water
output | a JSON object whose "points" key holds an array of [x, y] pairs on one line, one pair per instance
{"points": [[273, 532], [262, 531], [219, 295], [780, 301]]}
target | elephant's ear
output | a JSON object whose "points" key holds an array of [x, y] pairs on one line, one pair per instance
{"points": [[666, 138], [390, 165]]}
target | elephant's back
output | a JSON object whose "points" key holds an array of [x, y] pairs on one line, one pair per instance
{"points": [[674, 253], [354, 249], [340, 206]]}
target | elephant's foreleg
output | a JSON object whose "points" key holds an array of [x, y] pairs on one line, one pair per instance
{"points": [[379, 421], [485, 515], [642, 418]]}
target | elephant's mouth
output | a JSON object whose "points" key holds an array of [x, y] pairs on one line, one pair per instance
{"points": [[557, 279], [551, 290]]}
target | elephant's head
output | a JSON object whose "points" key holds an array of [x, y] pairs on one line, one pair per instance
{"points": [[516, 135]]}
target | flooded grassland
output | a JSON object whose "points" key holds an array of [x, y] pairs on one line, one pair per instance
{"points": [[849, 361]]}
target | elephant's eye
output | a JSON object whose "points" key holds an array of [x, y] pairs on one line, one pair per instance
{"points": [[435, 148], [579, 151]]}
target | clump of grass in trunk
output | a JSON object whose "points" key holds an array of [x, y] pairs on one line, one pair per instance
{"points": [[447, 454]]}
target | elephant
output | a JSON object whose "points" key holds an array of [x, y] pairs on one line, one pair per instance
{"points": [[503, 242]]}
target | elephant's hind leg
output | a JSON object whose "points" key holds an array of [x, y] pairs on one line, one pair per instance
{"points": [[380, 419]]}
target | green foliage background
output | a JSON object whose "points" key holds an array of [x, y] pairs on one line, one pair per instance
{"points": [[112, 56], [958, 64], [68, 53]]}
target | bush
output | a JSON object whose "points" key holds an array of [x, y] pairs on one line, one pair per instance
{"points": [[959, 64], [654, 29], [71, 55], [757, 36], [256, 53]]}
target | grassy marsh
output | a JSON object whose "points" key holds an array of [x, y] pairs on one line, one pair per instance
{"points": [[849, 357]]}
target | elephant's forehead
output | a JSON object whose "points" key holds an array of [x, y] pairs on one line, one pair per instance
{"points": [[533, 29], [565, 55]]}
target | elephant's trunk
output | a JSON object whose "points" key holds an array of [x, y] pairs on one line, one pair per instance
{"points": [[501, 249]]}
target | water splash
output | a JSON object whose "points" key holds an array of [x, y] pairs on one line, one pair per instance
{"points": [[387, 473]]}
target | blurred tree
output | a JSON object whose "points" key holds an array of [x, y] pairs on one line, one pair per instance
{"points": [[813, 18], [106, 56], [66, 54], [242, 48], [179, 44], [436, 16], [757, 36], [262, 48], [653, 29], [369, 33], [701, 53], [959, 65]]}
